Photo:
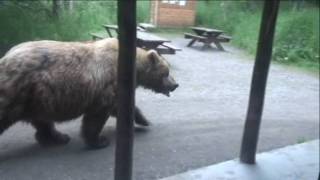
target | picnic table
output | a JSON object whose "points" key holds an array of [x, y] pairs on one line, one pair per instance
{"points": [[207, 36], [144, 40]]}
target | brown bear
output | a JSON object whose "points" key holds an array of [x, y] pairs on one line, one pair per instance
{"points": [[43, 82]]}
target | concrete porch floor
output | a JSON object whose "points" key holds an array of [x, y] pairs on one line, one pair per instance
{"points": [[296, 162]]}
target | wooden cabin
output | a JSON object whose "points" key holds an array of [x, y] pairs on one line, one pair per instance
{"points": [[173, 13]]}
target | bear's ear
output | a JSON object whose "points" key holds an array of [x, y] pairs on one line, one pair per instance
{"points": [[153, 56]]}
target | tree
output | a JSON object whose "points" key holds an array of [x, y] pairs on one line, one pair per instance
{"points": [[68, 5], [56, 4]]}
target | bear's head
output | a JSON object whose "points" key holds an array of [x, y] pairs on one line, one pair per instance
{"points": [[153, 72]]}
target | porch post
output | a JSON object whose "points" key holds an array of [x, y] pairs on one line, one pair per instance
{"points": [[126, 88], [259, 80]]}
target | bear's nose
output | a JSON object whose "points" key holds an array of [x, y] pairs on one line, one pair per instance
{"points": [[174, 87]]}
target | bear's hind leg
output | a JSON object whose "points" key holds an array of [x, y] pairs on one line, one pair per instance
{"points": [[47, 135], [92, 124]]}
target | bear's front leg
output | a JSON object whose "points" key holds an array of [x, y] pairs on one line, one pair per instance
{"points": [[47, 135], [139, 118], [92, 125]]}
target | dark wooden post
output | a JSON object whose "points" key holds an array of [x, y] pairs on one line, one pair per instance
{"points": [[126, 88], [258, 84]]}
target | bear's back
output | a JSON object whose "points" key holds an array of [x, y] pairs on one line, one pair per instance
{"points": [[57, 78]]}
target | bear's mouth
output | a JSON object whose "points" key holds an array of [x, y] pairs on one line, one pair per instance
{"points": [[167, 93], [168, 90]]}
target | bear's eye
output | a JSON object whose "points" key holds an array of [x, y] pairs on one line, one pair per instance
{"points": [[166, 74]]}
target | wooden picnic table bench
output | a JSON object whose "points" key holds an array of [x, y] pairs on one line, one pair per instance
{"points": [[99, 35], [110, 28], [207, 36], [144, 40], [146, 26]]}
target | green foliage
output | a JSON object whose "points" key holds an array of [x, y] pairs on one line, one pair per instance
{"points": [[22, 24], [143, 11], [246, 33], [301, 140], [297, 37], [297, 32], [32, 20]]}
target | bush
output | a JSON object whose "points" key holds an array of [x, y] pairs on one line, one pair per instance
{"points": [[297, 37], [297, 31]]}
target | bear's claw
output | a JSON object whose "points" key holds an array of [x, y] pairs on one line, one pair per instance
{"points": [[100, 142], [143, 122]]}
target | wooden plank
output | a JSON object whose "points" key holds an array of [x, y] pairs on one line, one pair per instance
{"points": [[147, 37], [217, 43], [141, 29], [115, 27], [224, 38], [96, 36], [146, 26], [166, 48], [207, 30], [192, 42], [165, 51], [170, 46], [111, 26], [191, 36]]}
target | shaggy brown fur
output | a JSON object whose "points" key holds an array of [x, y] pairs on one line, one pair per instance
{"points": [[43, 82]]}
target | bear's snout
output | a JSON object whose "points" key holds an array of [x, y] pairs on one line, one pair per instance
{"points": [[174, 87], [169, 83]]}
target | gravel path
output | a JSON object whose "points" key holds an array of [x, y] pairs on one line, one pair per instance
{"points": [[200, 124]]}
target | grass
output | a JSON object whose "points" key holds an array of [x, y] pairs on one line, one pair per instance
{"points": [[301, 140], [297, 32]]}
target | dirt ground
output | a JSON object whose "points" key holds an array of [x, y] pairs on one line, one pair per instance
{"points": [[200, 124]]}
